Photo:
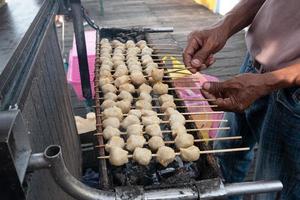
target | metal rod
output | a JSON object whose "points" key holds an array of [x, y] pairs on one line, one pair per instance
{"points": [[78, 190], [81, 48], [253, 187], [69, 183]]}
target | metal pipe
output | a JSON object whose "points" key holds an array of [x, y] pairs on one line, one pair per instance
{"points": [[67, 182], [81, 48], [52, 159], [172, 194], [253, 187], [37, 161]]}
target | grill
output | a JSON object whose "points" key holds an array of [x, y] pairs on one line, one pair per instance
{"points": [[154, 174]]}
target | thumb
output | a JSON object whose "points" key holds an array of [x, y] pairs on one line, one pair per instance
{"points": [[215, 88], [200, 57]]}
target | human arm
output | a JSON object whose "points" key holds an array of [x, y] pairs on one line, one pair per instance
{"points": [[204, 43], [239, 93]]}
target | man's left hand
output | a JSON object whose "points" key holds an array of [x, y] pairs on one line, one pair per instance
{"points": [[236, 94]]}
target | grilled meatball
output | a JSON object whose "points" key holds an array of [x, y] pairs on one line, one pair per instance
{"points": [[135, 141], [142, 156], [156, 142], [165, 155], [118, 156]]}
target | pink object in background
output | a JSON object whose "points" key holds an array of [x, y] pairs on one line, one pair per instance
{"points": [[73, 75], [197, 80]]}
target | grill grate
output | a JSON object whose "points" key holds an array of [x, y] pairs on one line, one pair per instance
{"points": [[177, 172]]}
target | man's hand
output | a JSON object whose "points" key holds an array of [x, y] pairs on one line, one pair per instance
{"points": [[201, 47], [238, 93]]}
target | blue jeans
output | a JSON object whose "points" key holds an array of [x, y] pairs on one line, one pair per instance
{"points": [[274, 122]]}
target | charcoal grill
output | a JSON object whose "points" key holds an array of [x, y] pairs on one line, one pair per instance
{"points": [[35, 61]]}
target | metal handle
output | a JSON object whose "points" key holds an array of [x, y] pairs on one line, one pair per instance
{"points": [[53, 160]]}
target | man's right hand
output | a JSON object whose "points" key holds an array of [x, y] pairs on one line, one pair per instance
{"points": [[201, 47]]}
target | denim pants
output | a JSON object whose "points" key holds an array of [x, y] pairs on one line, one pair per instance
{"points": [[273, 122]]}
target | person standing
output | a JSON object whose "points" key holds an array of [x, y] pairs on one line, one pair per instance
{"points": [[263, 102]]}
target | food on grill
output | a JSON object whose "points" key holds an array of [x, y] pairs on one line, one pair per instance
{"points": [[137, 77], [110, 96], [148, 120], [142, 156], [135, 67], [114, 141], [110, 131], [147, 51], [107, 104], [143, 105], [178, 129], [130, 43], [113, 112], [104, 73], [109, 88], [105, 41], [106, 67], [129, 120], [122, 80], [118, 156], [121, 70], [104, 81], [153, 130], [127, 87], [118, 62], [124, 95], [176, 118], [135, 129], [145, 88], [191, 153], [156, 142], [135, 141], [157, 74], [145, 96], [160, 88], [124, 105], [146, 59], [166, 105], [141, 44], [107, 62], [135, 112], [111, 121], [149, 113], [165, 98], [184, 140], [165, 155]]}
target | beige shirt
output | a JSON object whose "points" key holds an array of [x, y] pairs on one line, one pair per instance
{"points": [[273, 38]]}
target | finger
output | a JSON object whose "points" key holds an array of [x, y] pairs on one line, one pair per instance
{"points": [[200, 57], [189, 52], [215, 88], [210, 60]]}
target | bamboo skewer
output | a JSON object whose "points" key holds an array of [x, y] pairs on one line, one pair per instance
{"points": [[196, 140], [191, 120], [176, 99], [201, 152], [188, 130], [189, 113], [178, 88]]}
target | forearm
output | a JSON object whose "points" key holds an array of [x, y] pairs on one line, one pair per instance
{"points": [[240, 16], [283, 78]]}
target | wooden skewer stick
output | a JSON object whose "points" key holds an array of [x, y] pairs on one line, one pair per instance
{"points": [[176, 99], [191, 120], [196, 140], [188, 130], [201, 152], [189, 113], [179, 88]]}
